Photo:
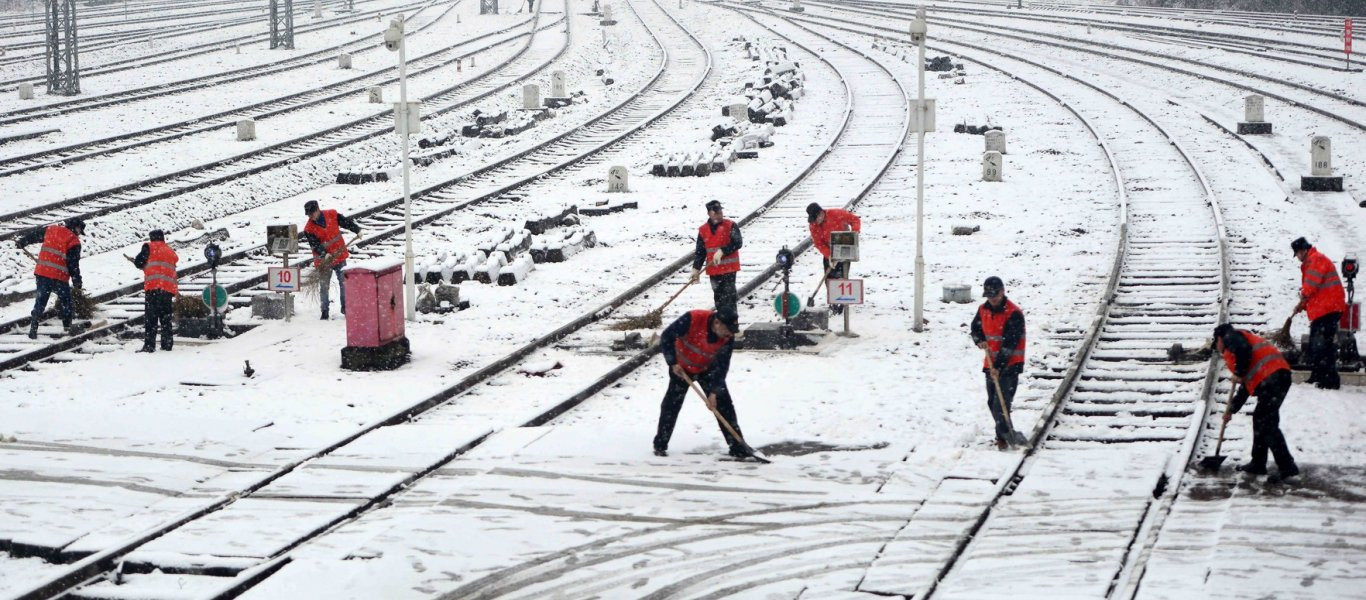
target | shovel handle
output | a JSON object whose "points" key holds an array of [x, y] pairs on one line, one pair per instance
{"points": [[29, 254], [724, 422], [1000, 395], [812, 298], [1223, 424], [671, 301]]}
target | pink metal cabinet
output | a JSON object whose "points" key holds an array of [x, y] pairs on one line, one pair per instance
{"points": [[374, 304]]}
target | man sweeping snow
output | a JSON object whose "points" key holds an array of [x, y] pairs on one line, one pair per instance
{"points": [[697, 346], [58, 269], [1258, 366], [999, 329], [324, 237], [718, 246]]}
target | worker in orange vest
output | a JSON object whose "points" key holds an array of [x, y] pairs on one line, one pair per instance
{"points": [[999, 329], [57, 271], [718, 246], [1258, 366], [324, 237], [1323, 300], [821, 222], [698, 346], [159, 289]]}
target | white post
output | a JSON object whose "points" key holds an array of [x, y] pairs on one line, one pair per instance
{"points": [[409, 287], [919, 30]]}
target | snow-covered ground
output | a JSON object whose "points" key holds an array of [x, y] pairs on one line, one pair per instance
{"points": [[882, 446]]}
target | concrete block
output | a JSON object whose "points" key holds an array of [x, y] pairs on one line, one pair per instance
{"points": [[387, 357], [966, 229], [992, 165], [812, 319], [959, 293], [1254, 129], [376, 95], [617, 180], [25, 91], [1320, 184], [344, 60], [773, 336], [272, 306], [246, 130]]}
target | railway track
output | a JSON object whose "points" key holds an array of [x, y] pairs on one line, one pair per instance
{"points": [[285, 65], [677, 75], [90, 66], [496, 78], [1123, 426], [427, 63], [123, 302]]}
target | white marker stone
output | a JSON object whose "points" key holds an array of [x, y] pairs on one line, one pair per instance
{"points": [[531, 96], [991, 166], [344, 60], [616, 179], [25, 91], [557, 85], [376, 95], [246, 130], [1254, 108], [995, 141], [1321, 156]]}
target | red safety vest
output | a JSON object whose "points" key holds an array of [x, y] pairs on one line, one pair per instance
{"points": [[331, 236], [835, 220], [1321, 286], [1265, 361], [730, 263], [57, 241], [994, 327], [693, 351], [159, 272]]}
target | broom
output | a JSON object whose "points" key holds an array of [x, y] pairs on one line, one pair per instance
{"points": [[311, 283], [1281, 337], [82, 307], [650, 320]]}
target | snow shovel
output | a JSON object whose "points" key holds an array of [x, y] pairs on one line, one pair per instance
{"points": [[649, 320], [1212, 462], [1017, 439], [754, 454], [811, 300]]}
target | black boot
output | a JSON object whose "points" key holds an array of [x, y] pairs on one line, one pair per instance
{"points": [[1251, 469], [33, 329], [1290, 475], [661, 452], [739, 452], [147, 348]]}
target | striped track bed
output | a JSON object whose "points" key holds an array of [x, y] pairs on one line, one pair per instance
{"points": [[678, 75]]}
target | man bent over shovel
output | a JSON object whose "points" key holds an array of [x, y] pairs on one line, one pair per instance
{"points": [[999, 330]]}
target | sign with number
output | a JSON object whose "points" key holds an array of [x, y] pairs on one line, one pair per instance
{"points": [[1347, 36], [281, 279], [215, 296], [844, 291]]}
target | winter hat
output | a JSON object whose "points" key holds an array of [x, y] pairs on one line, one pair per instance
{"points": [[1221, 331], [1300, 244], [157, 235], [992, 285], [729, 319], [310, 206], [713, 205], [813, 210], [76, 223]]}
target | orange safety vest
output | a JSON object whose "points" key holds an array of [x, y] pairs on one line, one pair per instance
{"points": [[693, 351], [159, 272], [836, 219], [331, 237], [994, 327], [730, 263], [1265, 361], [57, 241], [1321, 286]]}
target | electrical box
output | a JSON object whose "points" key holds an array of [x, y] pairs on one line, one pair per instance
{"points": [[414, 123], [282, 239], [844, 246]]}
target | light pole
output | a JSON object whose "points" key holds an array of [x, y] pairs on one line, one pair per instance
{"points": [[394, 40], [918, 29]]}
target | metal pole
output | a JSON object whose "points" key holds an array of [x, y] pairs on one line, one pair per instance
{"points": [[409, 286], [919, 323]]}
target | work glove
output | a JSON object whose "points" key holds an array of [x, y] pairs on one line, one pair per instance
{"points": [[696, 274], [716, 256]]}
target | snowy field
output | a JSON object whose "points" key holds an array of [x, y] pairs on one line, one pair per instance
{"points": [[511, 457]]}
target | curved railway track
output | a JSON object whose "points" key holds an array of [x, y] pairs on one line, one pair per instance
{"points": [[661, 96], [1118, 404], [495, 79], [91, 68], [287, 63], [427, 63]]}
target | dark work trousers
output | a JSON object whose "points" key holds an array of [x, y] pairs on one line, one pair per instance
{"points": [[323, 296], [841, 271], [723, 292], [1322, 353], [1266, 424], [1010, 379], [157, 316], [46, 287], [673, 402]]}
